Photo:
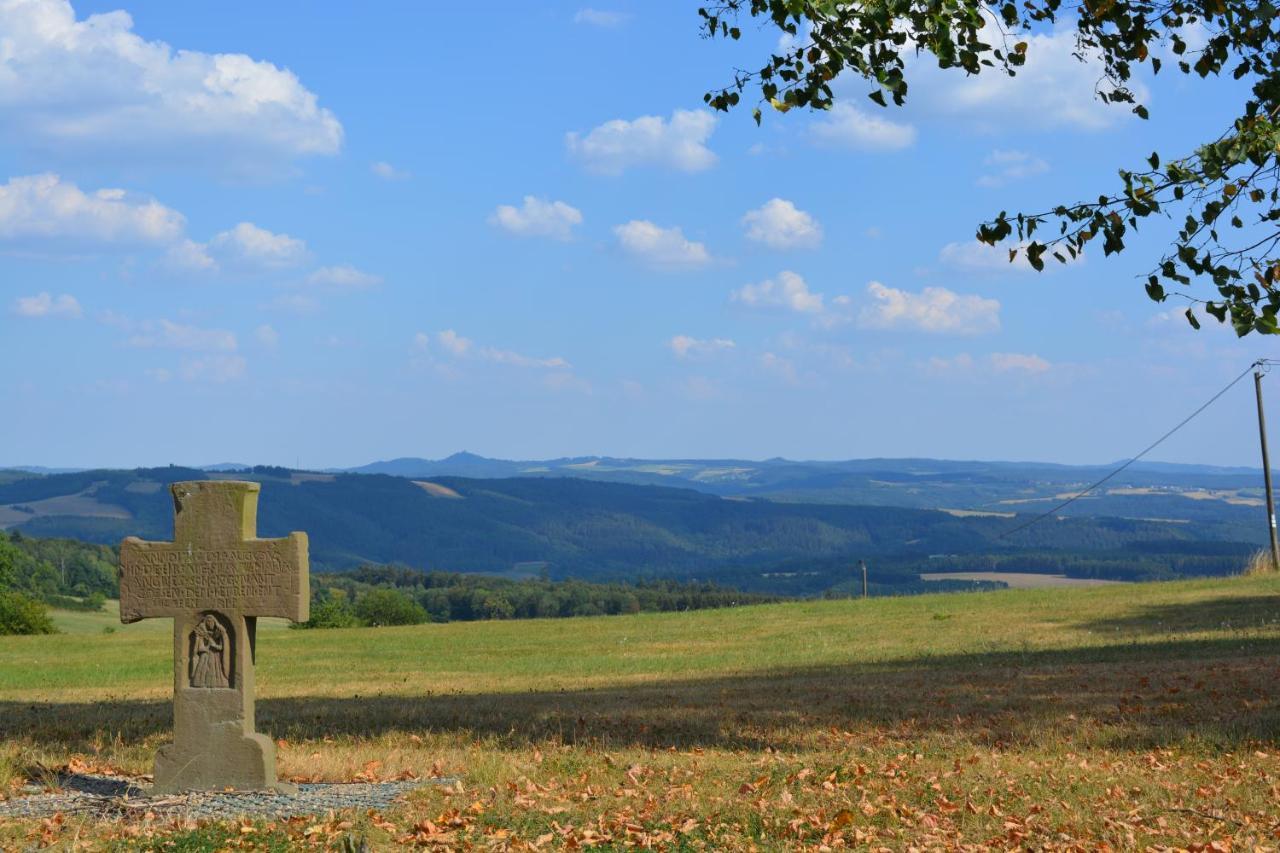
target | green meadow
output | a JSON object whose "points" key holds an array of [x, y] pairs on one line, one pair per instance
{"points": [[1125, 715]]}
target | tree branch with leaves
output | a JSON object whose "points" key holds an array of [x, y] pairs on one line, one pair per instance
{"points": [[1227, 191]]}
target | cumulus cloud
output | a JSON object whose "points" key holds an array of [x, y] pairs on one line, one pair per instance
{"points": [[935, 309], [95, 85], [846, 126], [601, 18], [343, 277], [1006, 167], [684, 346], [537, 217], [664, 248], [979, 257], [788, 291], [47, 305], [1052, 90], [618, 145], [45, 207], [388, 172], [779, 224], [247, 245], [460, 347], [188, 255], [454, 343], [166, 334]]}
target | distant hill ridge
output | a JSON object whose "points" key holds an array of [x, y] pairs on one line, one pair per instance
{"points": [[584, 526]]}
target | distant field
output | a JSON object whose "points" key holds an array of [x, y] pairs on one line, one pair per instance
{"points": [[1017, 580], [1139, 716]]}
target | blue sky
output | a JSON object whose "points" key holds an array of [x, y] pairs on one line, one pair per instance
{"points": [[292, 234]]}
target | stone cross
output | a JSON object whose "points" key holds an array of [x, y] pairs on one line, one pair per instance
{"points": [[215, 579]]}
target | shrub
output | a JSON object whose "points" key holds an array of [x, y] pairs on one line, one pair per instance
{"points": [[22, 615], [332, 613], [389, 607]]}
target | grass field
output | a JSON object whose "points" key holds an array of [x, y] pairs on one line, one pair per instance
{"points": [[1129, 716], [1017, 580]]}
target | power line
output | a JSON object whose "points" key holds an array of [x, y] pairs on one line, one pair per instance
{"points": [[1039, 518]]}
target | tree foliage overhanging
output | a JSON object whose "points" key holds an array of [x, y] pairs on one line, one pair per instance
{"points": [[1226, 193]]}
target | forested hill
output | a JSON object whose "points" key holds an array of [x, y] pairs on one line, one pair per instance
{"points": [[567, 527]]}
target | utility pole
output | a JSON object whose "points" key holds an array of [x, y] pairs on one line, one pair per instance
{"points": [[862, 564], [1266, 473]]}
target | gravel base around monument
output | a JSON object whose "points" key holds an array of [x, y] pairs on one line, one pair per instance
{"points": [[115, 797]]}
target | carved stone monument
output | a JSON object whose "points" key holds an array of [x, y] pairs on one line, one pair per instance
{"points": [[215, 579]]}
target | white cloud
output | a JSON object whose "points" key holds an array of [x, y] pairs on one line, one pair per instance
{"points": [[1008, 166], [996, 363], [601, 18], [684, 346], [343, 277], [47, 305], [935, 309], [1016, 362], [980, 257], [422, 342], [388, 172], [515, 359], [95, 85], [787, 291], [44, 207], [214, 368], [267, 336], [247, 245], [459, 347], [538, 218], [1052, 90], [190, 255], [618, 145], [665, 248], [454, 343], [779, 224], [846, 126], [169, 335]]}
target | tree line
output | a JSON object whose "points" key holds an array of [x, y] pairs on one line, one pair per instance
{"points": [[395, 595]]}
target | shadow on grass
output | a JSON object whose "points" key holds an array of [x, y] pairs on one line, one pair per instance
{"points": [[1215, 614], [1126, 695]]}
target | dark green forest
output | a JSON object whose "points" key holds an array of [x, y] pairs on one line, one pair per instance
{"points": [[361, 597]]}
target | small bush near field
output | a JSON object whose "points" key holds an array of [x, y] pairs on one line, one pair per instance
{"points": [[22, 615], [331, 613], [389, 607]]}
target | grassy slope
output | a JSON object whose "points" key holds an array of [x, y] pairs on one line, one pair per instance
{"points": [[1136, 714]]}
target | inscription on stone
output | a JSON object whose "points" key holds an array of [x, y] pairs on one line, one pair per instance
{"points": [[194, 579]]}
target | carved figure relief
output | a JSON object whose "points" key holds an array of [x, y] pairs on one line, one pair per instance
{"points": [[210, 653]]}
